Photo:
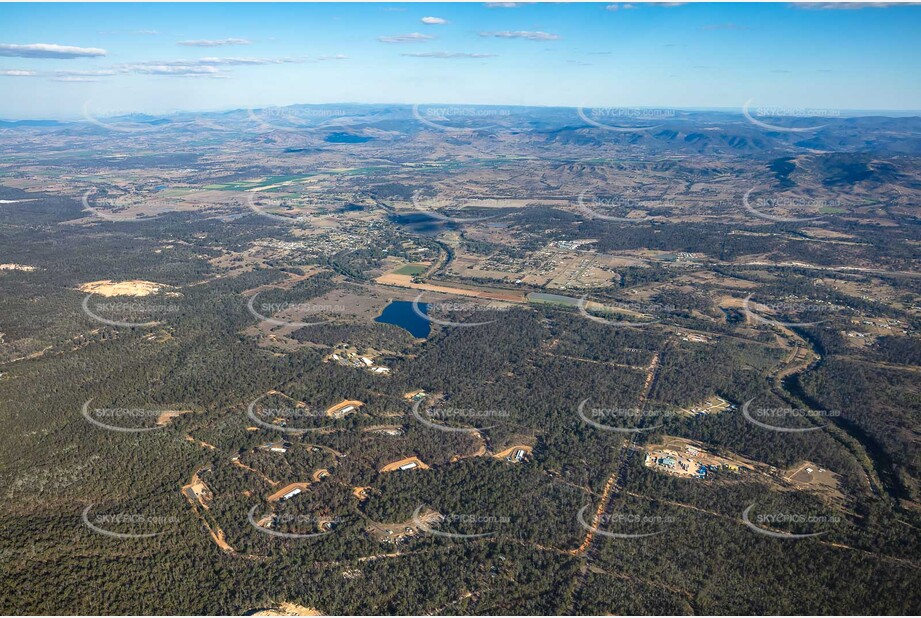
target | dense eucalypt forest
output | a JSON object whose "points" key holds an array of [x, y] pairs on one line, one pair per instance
{"points": [[204, 411]]}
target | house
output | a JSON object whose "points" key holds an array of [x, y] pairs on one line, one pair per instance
{"points": [[276, 447], [408, 466], [291, 493]]}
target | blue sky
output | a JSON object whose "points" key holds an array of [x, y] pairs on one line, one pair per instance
{"points": [[114, 58]]}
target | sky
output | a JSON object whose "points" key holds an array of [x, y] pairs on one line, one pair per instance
{"points": [[57, 60]]}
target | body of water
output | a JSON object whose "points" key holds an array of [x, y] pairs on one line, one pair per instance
{"points": [[400, 313]]}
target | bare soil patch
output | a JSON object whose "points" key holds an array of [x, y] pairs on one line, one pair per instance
{"points": [[168, 415], [22, 267], [808, 476], [405, 461], [278, 495], [134, 287], [406, 281], [288, 609], [504, 454], [396, 532], [344, 407]]}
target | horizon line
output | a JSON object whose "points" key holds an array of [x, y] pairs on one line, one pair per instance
{"points": [[836, 113]]}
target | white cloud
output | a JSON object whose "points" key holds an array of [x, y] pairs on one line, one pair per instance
{"points": [[200, 67], [175, 70], [536, 35], [413, 37], [434, 21], [506, 5], [239, 61], [17, 73], [99, 73], [215, 43], [448, 55], [71, 80], [49, 50], [336, 57]]}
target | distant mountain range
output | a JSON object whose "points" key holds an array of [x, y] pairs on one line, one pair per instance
{"points": [[660, 131]]}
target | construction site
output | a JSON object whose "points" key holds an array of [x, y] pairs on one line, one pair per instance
{"points": [[713, 405], [405, 464], [396, 532], [344, 408], [689, 459]]}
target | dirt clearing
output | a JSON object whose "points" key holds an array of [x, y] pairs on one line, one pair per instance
{"points": [[406, 281], [344, 407], [510, 451], [22, 267], [134, 287], [808, 476], [281, 493], [288, 609], [167, 415], [396, 532], [409, 463]]}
